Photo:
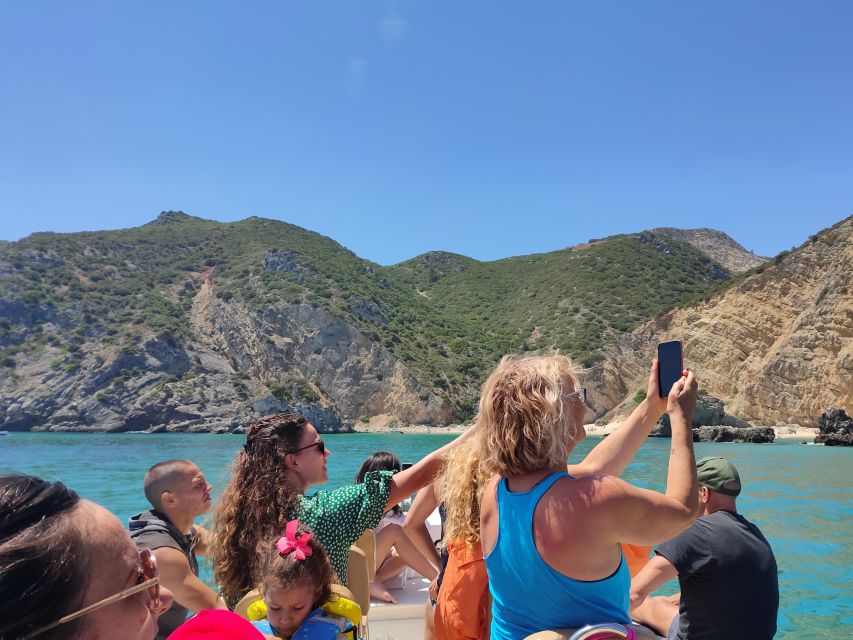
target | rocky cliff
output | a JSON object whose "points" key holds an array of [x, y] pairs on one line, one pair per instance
{"points": [[720, 246], [240, 366], [776, 347], [189, 324]]}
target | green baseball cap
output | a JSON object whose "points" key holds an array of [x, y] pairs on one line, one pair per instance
{"points": [[718, 474]]}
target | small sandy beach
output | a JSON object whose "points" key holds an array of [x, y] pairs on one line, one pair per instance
{"points": [[787, 432], [453, 429]]}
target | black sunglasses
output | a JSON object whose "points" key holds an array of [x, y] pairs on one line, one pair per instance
{"points": [[321, 447]]}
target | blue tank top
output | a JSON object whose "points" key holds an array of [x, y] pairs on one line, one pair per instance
{"points": [[528, 595]]}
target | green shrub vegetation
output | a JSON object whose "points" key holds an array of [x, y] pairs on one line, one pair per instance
{"points": [[447, 317]]}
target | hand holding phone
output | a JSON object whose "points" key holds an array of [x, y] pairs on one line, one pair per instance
{"points": [[670, 365]]}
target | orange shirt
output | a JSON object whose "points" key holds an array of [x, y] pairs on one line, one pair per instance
{"points": [[637, 556], [462, 608]]}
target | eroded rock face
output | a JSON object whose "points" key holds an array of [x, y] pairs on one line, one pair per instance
{"points": [[226, 376], [777, 348]]}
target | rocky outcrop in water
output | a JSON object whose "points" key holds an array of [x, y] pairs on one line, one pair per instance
{"points": [[710, 412], [835, 428], [734, 434]]}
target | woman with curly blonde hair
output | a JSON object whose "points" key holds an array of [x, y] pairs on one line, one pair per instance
{"points": [[543, 528], [462, 605], [282, 458], [462, 599]]}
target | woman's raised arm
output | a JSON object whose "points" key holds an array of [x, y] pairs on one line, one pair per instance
{"points": [[424, 472], [640, 516]]}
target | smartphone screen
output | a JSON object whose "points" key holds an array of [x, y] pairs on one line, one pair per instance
{"points": [[670, 365]]}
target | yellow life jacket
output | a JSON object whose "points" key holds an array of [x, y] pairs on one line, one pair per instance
{"points": [[337, 606]]}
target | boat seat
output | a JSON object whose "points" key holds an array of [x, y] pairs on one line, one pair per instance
{"points": [[643, 633], [242, 607], [361, 566]]}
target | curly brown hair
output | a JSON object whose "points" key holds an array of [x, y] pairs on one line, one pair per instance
{"points": [[256, 504], [286, 572]]}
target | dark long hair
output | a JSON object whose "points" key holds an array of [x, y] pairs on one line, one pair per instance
{"points": [[257, 502], [380, 461], [44, 568]]}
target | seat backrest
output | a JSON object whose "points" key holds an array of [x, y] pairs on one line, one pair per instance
{"points": [[246, 601], [367, 543], [361, 571]]}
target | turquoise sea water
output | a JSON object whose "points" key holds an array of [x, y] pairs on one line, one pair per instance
{"points": [[800, 496]]}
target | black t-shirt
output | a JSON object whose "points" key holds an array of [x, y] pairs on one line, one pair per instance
{"points": [[727, 574]]}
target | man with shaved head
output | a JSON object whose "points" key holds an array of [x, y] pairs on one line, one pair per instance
{"points": [[178, 493]]}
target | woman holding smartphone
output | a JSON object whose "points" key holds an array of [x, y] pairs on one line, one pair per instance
{"points": [[543, 529]]}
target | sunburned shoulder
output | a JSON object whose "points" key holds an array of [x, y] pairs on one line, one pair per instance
{"points": [[593, 490]]}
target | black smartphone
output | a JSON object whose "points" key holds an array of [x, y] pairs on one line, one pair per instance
{"points": [[405, 466], [670, 365]]}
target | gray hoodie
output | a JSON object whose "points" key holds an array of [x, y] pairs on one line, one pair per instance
{"points": [[152, 530]]}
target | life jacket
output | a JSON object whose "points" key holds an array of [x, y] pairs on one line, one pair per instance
{"points": [[338, 619]]}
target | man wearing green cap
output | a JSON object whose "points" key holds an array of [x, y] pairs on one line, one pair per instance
{"points": [[725, 568]]}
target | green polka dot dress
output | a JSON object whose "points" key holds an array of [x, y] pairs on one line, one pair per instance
{"points": [[339, 517]]}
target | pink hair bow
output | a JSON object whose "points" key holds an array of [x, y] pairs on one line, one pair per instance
{"points": [[291, 542]]}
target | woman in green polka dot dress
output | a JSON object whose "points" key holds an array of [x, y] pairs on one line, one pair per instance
{"points": [[284, 456]]}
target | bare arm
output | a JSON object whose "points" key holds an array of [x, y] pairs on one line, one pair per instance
{"points": [[654, 575], [616, 451], [203, 540], [189, 591], [640, 516], [419, 475], [415, 525]]}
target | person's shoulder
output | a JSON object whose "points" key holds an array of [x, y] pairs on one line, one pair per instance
{"points": [[723, 519], [596, 486]]}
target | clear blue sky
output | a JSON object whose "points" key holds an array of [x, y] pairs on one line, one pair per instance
{"points": [[486, 128]]}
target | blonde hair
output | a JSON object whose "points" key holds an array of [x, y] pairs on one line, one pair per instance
{"points": [[524, 423], [462, 484]]}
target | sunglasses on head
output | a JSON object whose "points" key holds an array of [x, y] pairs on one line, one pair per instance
{"points": [[321, 447], [146, 580]]}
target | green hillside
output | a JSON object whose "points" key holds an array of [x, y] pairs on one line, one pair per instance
{"points": [[573, 300], [447, 317]]}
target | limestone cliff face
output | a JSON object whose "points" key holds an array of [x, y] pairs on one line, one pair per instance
{"points": [[240, 365], [777, 348], [718, 245], [344, 366]]}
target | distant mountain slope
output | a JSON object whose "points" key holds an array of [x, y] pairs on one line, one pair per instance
{"points": [[777, 347], [716, 245], [195, 324], [574, 300]]}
